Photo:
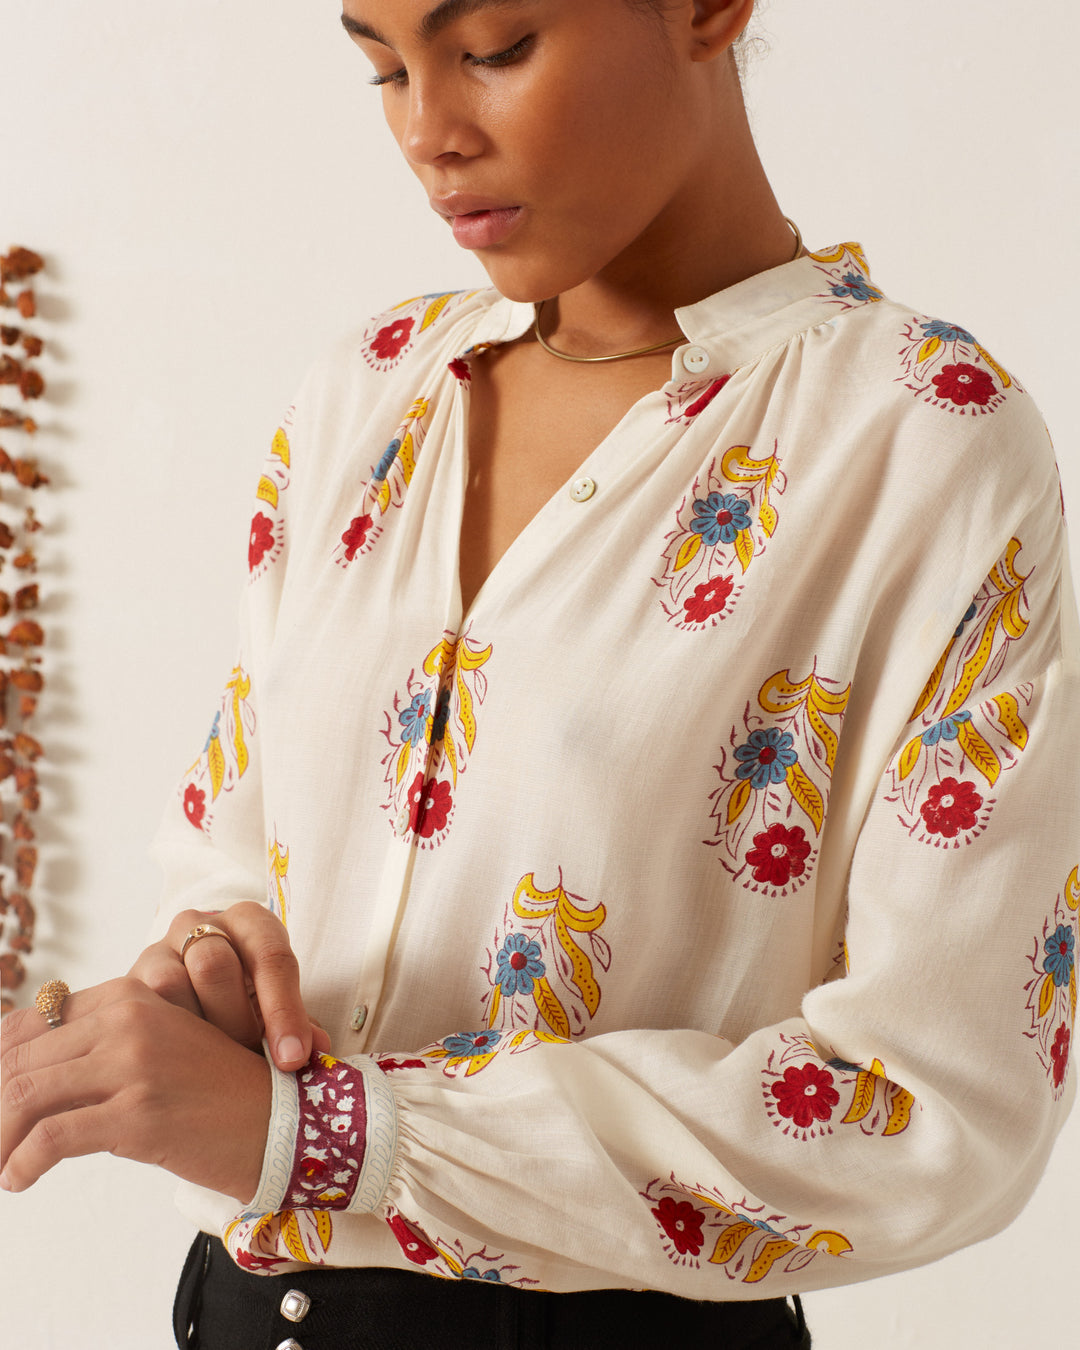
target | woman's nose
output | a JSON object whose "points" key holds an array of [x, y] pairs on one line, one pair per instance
{"points": [[437, 125]]}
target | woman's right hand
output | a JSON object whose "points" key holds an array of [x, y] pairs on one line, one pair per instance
{"points": [[248, 986]]}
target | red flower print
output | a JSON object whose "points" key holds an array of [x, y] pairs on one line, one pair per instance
{"points": [[964, 384], [951, 807], [415, 1248], [260, 540], [388, 341], [682, 1223], [460, 370], [806, 1094], [388, 1065], [354, 536], [708, 599], [194, 805], [313, 1168], [429, 805], [701, 403], [1059, 1053], [779, 854], [249, 1261]]}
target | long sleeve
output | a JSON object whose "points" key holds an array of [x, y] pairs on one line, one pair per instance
{"points": [[906, 1109], [696, 911], [212, 843]]}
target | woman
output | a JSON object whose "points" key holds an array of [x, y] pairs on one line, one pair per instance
{"points": [[648, 794]]}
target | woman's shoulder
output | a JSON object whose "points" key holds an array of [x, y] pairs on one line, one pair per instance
{"points": [[437, 325]]}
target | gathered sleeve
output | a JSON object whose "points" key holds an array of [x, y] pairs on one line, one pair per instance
{"points": [[908, 1110]]}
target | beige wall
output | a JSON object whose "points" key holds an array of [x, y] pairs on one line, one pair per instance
{"points": [[218, 200]]}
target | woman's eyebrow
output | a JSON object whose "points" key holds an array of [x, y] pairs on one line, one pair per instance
{"points": [[444, 14]]}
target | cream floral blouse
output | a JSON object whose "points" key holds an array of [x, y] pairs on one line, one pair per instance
{"points": [[699, 910]]}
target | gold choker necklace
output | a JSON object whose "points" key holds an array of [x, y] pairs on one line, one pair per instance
{"points": [[638, 351]]}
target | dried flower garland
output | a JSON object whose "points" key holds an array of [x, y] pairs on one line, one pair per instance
{"points": [[21, 635]]}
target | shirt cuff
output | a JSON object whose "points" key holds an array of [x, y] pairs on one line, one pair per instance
{"points": [[332, 1138]]}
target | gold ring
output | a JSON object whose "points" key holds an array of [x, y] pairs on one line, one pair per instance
{"points": [[50, 1001], [202, 930]]}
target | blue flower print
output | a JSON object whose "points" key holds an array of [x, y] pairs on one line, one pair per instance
{"points": [[414, 718], [215, 732], [947, 332], [1059, 954], [969, 614], [388, 456], [720, 517], [471, 1273], [766, 757], [469, 1044], [518, 964], [855, 286], [947, 729], [442, 716]]}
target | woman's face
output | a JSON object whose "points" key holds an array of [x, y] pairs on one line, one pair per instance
{"points": [[558, 137]]}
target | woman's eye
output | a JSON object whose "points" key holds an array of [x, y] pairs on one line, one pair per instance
{"points": [[506, 58], [398, 77]]}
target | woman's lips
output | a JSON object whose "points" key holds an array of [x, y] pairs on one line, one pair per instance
{"points": [[482, 229]]}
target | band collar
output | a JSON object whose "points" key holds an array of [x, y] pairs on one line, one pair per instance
{"points": [[733, 327]]}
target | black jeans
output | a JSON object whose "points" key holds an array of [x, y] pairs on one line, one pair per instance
{"points": [[221, 1307]]}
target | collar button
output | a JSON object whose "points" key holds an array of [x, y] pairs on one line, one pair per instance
{"points": [[695, 360]]}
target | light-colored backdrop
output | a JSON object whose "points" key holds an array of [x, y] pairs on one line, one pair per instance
{"points": [[218, 200]]}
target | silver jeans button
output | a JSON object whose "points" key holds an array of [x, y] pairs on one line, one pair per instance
{"points": [[295, 1305]]}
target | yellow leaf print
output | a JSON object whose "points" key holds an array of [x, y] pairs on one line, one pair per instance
{"points": [[549, 1007], [767, 1258], [279, 447], [910, 756], [978, 752], [581, 966], [738, 800], [290, 1232], [836, 1244], [1046, 995], [267, 491], [729, 1242], [806, 795], [900, 1114], [863, 1099], [688, 551], [1009, 717], [744, 548], [215, 758]]}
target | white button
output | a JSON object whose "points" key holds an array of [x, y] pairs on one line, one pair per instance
{"points": [[581, 489], [359, 1017], [695, 360], [295, 1305], [290, 1344]]}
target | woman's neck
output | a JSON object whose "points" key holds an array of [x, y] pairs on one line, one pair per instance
{"points": [[724, 227]]}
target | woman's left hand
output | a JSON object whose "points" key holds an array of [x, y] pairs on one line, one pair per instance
{"points": [[130, 1074]]}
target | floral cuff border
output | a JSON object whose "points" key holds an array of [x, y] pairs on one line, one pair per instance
{"points": [[332, 1138]]}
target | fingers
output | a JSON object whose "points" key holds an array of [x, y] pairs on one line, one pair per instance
{"points": [[217, 976], [139, 1078], [160, 969], [262, 945]]}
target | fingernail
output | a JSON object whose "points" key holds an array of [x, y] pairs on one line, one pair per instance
{"points": [[5, 1184], [289, 1049]]}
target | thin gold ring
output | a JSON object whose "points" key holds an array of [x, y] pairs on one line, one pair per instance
{"points": [[202, 930]]}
